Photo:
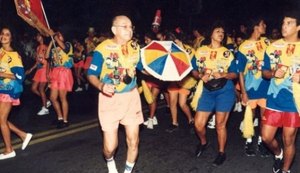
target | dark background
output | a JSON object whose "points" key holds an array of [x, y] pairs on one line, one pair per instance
{"points": [[75, 16]]}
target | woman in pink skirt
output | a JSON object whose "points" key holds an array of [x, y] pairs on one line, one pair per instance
{"points": [[61, 79], [40, 78]]}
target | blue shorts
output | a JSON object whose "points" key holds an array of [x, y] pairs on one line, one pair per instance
{"points": [[220, 100]]}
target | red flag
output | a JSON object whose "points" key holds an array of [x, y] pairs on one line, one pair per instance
{"points": [[32, 12]]}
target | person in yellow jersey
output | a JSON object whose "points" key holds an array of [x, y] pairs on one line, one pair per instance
{"points": [[253, 86], [61, 78], [179, 91], [215, 66], [112, 72], [282, 66], [11, 78]]}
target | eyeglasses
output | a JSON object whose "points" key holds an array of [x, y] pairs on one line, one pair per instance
{"points": [[125, 26]]}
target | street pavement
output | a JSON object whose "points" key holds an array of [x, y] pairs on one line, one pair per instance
{"points": [[77, 149]]}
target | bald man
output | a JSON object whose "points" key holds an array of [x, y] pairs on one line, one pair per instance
{"points": [[112, 72]]}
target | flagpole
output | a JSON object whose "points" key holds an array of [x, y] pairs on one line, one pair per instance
{"points": [[46, 19]]}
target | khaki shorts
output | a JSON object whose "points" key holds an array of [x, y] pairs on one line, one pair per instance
{"points": [[257, 102], [124, 108]]}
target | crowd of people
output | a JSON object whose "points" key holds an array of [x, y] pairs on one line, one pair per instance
{"points": [[228, 71]]}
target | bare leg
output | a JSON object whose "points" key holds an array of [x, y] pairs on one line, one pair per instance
{"points": [[221, 121], [200, 125], [132, 139], [173, 106], [184, 107], [289, 136], [64, 104], [55, 103], [5, 108]]}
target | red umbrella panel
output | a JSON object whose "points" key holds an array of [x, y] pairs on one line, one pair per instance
{"points": [[32, 12], [166, 61]]}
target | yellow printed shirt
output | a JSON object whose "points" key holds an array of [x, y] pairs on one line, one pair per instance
{"points": [[11, 63], [250, 58], [286, 56], [214, 60], [62, 58], [116, 64]]}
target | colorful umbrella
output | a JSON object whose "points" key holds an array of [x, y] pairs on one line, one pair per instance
{"points": [[166, 61], [33, 13]]}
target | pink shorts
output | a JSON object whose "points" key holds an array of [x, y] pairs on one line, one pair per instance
{"points": [[87, 62], [124, 108], [61, 79], [79, 64], [7, 98], [40, 75], [281, 119]]}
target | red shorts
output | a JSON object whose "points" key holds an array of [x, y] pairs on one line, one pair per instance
{"points": [[7, 98], [173, 87], [121, 108], [281, 119], [40, 75], [79, 64], [61, 79], [87, 62]]}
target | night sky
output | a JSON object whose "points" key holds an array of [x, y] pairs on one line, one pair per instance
{"points": [[75, 16]]}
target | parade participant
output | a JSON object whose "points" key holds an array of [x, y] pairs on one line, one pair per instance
{"points": [[61, 78], [112, 72], [253, 86], [215, 66], [90, 43], [179, 91], [11, 78], [281, 65], [197, 42], [40, 78], [79, 56]]}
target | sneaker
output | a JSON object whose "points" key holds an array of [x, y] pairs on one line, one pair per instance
{"points": [[212, 122], [150, 123], [255, 123], [43, 111], [78, 89], [236, 107], [161, 96], [242, 126], [289, 171], [59, 124], [155, 122], [8, 156], [26, 140], [264, 152], [220, 159], [48, 103], [172, 128], [249, 149], [62, 124], [239, 108], [201, 148], [277, 165]]}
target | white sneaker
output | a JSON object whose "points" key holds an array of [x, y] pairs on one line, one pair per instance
{"points": [[26, 141], [78, 89], [239, 108], [48, 103], [212, 122], [161, 96], [7, 156], [155, 122], [150, 123], [242, 126], [236, 107], [43, 111], [255, 123]]}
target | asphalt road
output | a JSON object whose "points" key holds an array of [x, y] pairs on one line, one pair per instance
{"points": [[77, 149]]}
